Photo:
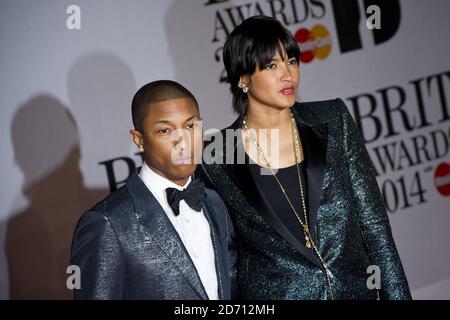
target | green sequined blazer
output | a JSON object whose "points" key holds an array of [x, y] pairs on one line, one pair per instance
{"points": [[347, 215]]}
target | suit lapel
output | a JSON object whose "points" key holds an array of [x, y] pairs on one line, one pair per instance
{"points": [[152, 216], [216, 236]]}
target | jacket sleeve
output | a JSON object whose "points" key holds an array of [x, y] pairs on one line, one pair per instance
{"points": [[373, 218], [96, 251]]}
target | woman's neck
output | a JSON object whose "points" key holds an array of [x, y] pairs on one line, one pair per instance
{"points": [[280, 151], [261, 117]]}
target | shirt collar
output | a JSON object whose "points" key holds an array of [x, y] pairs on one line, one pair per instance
{"points": [[157, 184]]}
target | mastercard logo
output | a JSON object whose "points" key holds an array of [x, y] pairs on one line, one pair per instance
{"points": [[442, 179], [314, 43]]}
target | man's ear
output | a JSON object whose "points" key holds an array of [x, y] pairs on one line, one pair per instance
{"points": [[136, 136]]}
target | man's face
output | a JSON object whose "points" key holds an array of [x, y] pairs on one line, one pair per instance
{"points": [[171, 133]]}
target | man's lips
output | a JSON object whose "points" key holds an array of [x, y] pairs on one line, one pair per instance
{"points": [[186, 160], [287, 91]]}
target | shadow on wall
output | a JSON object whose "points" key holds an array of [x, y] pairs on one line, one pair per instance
{"points": [[46, 148], [46, 142], [194, 46], [100, 88]]}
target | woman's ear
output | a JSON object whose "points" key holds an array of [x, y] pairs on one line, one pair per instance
{"points": [[244, 81]]}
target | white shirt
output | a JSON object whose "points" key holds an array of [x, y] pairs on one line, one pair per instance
{"points": [[192, 227]]}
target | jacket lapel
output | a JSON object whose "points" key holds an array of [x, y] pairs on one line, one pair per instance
{"points": [[152, 216], [216, 238], [314, 142], [256, 198], [313, 135]]}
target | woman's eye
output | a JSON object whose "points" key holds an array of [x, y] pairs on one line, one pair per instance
{"points": [[191, 126], [292, 61], [270, 66]]}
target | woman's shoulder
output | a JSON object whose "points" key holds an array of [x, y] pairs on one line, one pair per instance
{"points": [[320, 111]]}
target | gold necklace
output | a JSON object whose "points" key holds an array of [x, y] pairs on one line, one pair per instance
{"points": [[309, 242]]}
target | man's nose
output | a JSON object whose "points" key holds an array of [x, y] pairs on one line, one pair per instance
{"points": [[182, 138]]}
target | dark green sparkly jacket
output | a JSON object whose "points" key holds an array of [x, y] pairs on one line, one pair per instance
{"points": [[347, 215]]}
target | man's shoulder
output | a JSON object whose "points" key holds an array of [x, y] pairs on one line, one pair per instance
{"points": [[213, 196], [114, 206]]}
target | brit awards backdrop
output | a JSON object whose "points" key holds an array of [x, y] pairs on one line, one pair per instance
{"points": [[69, 70]]}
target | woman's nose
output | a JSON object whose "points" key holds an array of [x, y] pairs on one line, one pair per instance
{"points": [[287, 74]]}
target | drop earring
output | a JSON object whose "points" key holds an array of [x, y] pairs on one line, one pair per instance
{"points": [[243, 87]]}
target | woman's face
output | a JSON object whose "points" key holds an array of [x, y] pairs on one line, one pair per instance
{"points": [[275, 84]]}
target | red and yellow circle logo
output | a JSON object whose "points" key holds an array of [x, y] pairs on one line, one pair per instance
{"points": [[314, 43]]}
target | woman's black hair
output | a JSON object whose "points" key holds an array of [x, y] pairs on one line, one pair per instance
{"points": [[253, 44]]}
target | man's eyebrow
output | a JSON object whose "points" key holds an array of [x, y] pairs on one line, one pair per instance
{"points": [[170, 122], [162, 121], [192, 117]]}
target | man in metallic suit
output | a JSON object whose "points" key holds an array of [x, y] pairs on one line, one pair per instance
{"points": [[163, 235]]}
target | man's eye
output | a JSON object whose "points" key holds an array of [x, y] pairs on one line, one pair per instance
{"points": [[270, 66], [191, 126], [163, 131]]}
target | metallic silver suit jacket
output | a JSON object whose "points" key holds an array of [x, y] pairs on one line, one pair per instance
{"points": [[348, 218], [127, 248]]}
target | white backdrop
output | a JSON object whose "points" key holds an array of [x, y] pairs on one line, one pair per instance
{"points": [[65, 99]]}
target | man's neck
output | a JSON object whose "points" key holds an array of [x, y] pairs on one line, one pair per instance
{"points": [[181, 182]]}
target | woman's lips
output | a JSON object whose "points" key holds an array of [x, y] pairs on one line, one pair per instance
{"points": [[287, 91]]}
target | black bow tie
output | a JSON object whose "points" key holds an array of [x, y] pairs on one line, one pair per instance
{"points": [[193, 195]]}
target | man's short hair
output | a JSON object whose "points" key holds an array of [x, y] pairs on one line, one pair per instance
{"points": [[156, 91]]}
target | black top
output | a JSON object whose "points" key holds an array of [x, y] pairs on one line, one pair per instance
{"points": [[289, 179]]}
